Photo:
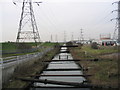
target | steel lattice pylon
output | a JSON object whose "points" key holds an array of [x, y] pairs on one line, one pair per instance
{"points": [[28, 31]]}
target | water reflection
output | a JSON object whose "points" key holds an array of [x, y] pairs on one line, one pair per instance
{"points": [[59, 75]]}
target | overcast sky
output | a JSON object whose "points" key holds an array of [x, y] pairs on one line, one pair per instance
{"points": [[53, 17]]}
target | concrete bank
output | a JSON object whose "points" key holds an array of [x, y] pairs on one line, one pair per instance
{"points": [[30, 66]]}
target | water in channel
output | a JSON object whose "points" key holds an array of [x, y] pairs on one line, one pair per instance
{"points": [[58, 71]]}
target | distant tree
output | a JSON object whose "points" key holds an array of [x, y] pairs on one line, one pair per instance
{"points": [[8, 41], [94, 45], [69, 43]]}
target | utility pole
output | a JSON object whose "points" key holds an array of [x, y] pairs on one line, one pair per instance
{"points": [[78, 39], [72, 37], [51, 38], [56, 38], [64, 37], [119, 22], [28, 31]]}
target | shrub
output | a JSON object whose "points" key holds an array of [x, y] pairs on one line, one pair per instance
{"points": [[94, 45], [70, 43], [23, 47]]}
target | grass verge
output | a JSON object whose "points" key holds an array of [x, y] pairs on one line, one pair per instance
{"points": [[27, 69], [105, 71]]}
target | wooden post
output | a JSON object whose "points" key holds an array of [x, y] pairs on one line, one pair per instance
{"points": [[74, 84], [59, 57], [67, 57]]}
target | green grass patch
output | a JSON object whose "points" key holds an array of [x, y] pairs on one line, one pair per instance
{"points": [[8, 55], [11, 48], [100, 51]]}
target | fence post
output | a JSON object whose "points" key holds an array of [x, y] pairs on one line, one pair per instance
{"points": [[17, 59], [59, 57], [67, 57]]}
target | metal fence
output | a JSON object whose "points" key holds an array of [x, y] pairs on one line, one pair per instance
{"points": [[8, 61]]}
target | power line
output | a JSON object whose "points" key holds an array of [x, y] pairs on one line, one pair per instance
{"points": [[49, 19], [97, 25]]}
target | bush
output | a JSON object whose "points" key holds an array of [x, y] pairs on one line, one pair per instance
{"points": [[69, 43], [94, 45], [23, 47]]}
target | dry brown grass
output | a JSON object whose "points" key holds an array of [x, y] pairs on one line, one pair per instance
{"points": [[104, 71]]}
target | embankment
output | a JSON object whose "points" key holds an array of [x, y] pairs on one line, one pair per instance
{"points": [[104, 70], [28, 68]]}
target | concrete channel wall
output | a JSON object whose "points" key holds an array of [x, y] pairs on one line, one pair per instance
{"points": [[9, 67], [60, 71]]}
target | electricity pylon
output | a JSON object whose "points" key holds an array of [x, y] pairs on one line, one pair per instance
{"points": [[64, 37], [72, 37], [28, 31], [118, 18], [81, 36], [115, 36]]}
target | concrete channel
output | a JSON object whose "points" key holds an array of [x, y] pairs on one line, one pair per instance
{"points": [[62, 68]]}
